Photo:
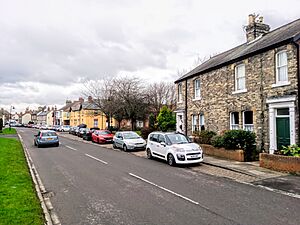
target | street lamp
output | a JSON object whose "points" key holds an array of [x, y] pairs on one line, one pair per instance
{"points": [[11, 108]]}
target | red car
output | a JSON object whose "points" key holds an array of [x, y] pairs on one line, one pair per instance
{"points": [[102, 136]]}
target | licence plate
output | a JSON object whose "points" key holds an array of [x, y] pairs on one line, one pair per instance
{"points": [[49, 139], [194, 156]]}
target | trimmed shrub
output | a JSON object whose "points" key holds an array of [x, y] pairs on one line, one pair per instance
{"points": [[217, 141], [241, 139], [146, 131], [166, 119], [204, 137]]}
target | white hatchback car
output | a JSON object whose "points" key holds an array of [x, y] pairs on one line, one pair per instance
{"points": [[175, 148], [128, 140]]}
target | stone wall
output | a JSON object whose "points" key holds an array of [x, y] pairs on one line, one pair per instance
{"points": [[280, 162], [218, 98], [237, 155]]}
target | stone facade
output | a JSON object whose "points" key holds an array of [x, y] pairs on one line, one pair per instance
{"points": [[219, 98]]}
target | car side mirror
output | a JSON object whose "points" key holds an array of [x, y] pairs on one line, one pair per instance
{"points": [[121, 138], [163, 144]]}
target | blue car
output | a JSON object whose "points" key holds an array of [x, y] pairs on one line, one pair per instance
{"points": [[46, 137]]}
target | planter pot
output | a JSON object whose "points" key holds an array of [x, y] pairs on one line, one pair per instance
{"points": [[237, 155], [280, 163]]}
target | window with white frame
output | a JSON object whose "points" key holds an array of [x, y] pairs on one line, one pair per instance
{"points": [[197, 89], [240, 78], [248, 120], [201, 121], [281, 67], [95, 122], [179, 92], [234, 121], [195, 125]]}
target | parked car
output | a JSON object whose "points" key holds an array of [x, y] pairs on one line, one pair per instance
{"points": [[46, 137], [75, 131], [72, 129], [175, 148], [88, 135], [64, 128], [102, 136], [82, 131], [128, 140]]}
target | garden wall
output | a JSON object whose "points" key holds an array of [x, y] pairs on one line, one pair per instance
{"points": [[237, 155]]}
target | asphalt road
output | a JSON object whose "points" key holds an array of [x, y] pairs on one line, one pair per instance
{"points": [[90, 184]]}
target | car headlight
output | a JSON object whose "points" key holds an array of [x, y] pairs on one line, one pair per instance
{"points": [[178, 149]]}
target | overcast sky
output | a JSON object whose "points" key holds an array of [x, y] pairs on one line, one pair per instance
{"points": [[48, 47]]}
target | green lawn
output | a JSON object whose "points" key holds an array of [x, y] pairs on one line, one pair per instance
{"points": [[19, 203], [7, 131]]}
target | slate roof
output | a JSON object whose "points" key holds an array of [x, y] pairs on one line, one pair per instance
{"points": [[89, 106], [67, 106], [284, 34]]}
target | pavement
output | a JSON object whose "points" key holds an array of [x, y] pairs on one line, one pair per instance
{"points": [[245, 172]]}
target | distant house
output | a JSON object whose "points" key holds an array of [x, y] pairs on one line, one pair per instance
{"points": [[26, 117], [87, 112], [253, 86], [42, 118]]}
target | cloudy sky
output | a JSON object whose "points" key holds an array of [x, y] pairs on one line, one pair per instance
{"points": [[47, 48]]}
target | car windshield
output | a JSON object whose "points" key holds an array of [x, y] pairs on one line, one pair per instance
{"points": [[104, 132], [177, 139], [48, 134], [130, 135]]}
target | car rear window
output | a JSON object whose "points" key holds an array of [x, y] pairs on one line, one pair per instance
{"points": [[103, 132], [47, 134]]}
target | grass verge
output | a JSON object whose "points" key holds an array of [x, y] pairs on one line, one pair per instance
{"points": [[7, 131], [19, 203]]}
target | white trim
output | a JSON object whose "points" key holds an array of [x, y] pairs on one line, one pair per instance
{"points": [[279, 100], [275, 104], [196, 99], [239, 91], [276, 66], [280, 84], [178, 122]]}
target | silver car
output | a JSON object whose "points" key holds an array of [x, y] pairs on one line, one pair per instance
{"points": [[46, 137], [128, 140]]}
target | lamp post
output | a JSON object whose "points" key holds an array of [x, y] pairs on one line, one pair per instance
{"points": [[11, 108]]}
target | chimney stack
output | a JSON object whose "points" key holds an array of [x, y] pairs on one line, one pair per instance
{"points": [[90, 99], [81, 99], [256, 27]]}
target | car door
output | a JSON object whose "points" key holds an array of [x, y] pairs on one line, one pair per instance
{"points": [[161, 145], [118, 140], [154, 144]]}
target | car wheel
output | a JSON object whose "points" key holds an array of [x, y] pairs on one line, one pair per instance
{"points": [[38, 145], [171, 160], [149, 155], [114, 145], [56, 145], [125, 148], [34, 143]]}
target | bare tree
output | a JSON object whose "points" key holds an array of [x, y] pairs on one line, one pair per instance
{"points": [[161, 94], [131, 96]]}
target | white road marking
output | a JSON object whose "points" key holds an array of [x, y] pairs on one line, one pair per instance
{"points": [[74, 149], [96, 159], [167, 190]]}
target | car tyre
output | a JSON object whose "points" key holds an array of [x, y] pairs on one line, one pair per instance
{"points": [[149, 155], [34, 143], [114, 145], [171, 160], [56, 145], [125, 148], [38, 145]]}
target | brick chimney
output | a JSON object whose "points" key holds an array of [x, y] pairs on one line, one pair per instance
{"points": [[255, 27], [68, 101], [90, 99], [81, 99]]}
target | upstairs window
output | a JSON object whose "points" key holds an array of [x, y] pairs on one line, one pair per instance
{"points": [[234, 121], [196, 89], [240, 78], [281, 67], [179, 92], [248, 120]]}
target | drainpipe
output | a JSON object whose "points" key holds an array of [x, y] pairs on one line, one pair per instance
{"points": [[185, 108], [298, 77]]}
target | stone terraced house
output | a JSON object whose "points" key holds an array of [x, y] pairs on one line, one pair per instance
{"points": [[253, 86]]}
